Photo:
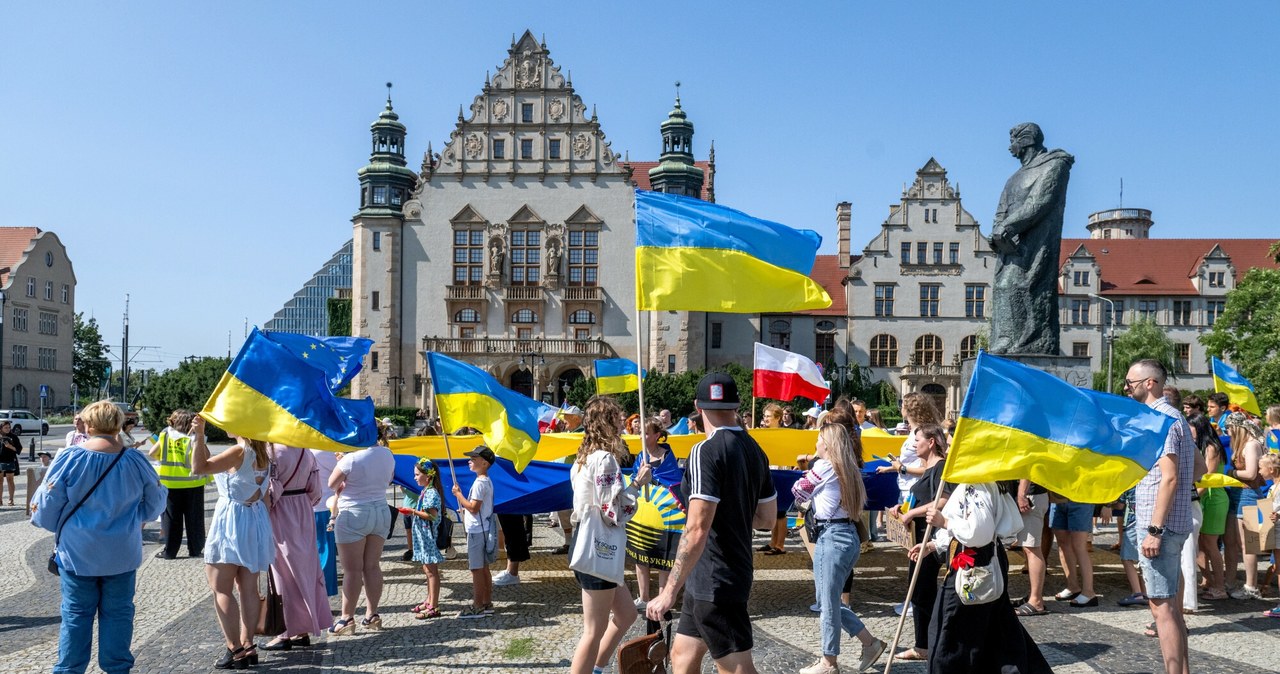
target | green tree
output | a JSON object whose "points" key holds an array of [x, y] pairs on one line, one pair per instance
{"points": [[339, 316], [88, 357], [187, 386], [1248, 332], [1144, 339]]}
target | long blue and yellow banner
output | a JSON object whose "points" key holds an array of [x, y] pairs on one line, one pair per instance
{"points": [[1238, 389], [1018, 422], [692, 255]]}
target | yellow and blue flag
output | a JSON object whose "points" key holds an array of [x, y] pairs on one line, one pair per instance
{"points": [[1018, 422], [617, 375], [271, 393], [467, 396], [340, 357], [1238, 389], [692, 255]]}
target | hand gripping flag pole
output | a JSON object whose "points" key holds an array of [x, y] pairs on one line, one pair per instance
{"points": [[443, 431], [911, 587]]}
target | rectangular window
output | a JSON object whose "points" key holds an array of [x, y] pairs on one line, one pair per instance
{"points": [[671, 362], [1181, 358], [377, 240], [884, 299], [553, 148], [937, 252], [1079, 312], [975, 301], [1182, 312], [929, 299], [48, 323], [955, 253], [524, 333], [373, 361], [19, 356], [499, 148], [47, 359], [824, 350], [526, 148], [584, 257], [1080, 279], [526, 112], [526, 256], [31, 286], [922, 252], [935, 216], [468, 257], [48, 290], [1213, 310], [379, 195], [1080, 349], [1147, 309], [717, 334], [19, 320], [397, 197], [373, 300], [1217, 279], [1106, 316], [66, 294], [906, 252], [467, 332]]}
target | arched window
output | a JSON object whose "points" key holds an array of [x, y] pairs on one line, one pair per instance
{"points": [[969, 347], [466, 316], [780, 334], [928, 350], [884, 351], [582, 317], [524, 316]]}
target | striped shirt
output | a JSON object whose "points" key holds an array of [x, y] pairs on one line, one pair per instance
{"points": [[1180, 445]]}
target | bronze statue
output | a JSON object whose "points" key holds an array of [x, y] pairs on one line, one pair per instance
{"points": [[1027, 236]]}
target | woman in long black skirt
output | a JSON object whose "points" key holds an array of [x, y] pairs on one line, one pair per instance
{"points": [[978, 638]]}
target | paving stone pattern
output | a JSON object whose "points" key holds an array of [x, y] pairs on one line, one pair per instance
{"points": [[538, 621]]}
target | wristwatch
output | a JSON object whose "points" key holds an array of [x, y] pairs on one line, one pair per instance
{"points": [[1156, 531]]}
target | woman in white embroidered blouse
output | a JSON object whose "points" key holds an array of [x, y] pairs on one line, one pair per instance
{"points": [[598, 486]]}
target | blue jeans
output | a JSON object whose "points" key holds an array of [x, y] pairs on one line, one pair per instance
{"points": [[110, 599], [834, 557]]}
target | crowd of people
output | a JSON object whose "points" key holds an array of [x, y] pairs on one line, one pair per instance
{"points": [[297, 514]]}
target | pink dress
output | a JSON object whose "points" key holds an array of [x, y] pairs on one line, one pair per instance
{"points": [[296, 570]]}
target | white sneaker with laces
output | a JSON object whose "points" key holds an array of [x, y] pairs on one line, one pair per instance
{"points": [[1245, 592], [870, 654], [503, 579]]}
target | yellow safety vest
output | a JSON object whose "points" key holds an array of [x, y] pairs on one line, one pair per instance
{"points": [[175, 463]]}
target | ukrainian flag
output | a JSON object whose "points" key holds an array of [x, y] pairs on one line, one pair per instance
{"points": [[340, 357], [467, 396], [1238, 389], [1021, 423], [271, 392], [617, 375], [692, 255]]}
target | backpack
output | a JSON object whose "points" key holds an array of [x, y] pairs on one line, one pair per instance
{"points": [[444, 531]]}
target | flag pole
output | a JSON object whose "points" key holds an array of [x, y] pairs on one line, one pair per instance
{"points": [[640, 370], [911, 587], [443, 433]]}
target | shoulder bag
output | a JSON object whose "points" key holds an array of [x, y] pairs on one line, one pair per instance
{"points": [[57, 536], [649, 654], [271, 617]]}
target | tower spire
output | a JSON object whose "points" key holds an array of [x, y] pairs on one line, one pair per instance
{"points": [[677, 173]]}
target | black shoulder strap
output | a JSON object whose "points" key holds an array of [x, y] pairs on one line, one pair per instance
{"points": [[58, 534]]}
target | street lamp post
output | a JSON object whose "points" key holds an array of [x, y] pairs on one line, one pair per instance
{"points": [[2, 299], [1111, 339]]}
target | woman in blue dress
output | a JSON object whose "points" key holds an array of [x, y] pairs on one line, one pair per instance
{"points": [[425, 516], [239, 544]]}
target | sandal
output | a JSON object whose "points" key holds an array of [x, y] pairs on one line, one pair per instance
{"points": [[420, 607], [429, 612], [1066, 595], [1029, 610], [1150, 630], [373, 622], [911, 655], [1212, 595], [775, 551], [343, 626]]}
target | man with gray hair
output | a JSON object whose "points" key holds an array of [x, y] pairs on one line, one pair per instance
{"points": [[1164, 509]]}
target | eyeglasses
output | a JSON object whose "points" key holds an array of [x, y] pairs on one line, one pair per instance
{"points": [[1131, 383]]}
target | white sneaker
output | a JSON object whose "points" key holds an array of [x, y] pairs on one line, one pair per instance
{"points": [[897, 609], [815, 607], [820, 667], [503, 579], [870, 654], [1245, 592], [641, 604]]}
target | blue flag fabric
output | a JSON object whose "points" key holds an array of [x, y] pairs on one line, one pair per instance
{"points": [[339, 357]]}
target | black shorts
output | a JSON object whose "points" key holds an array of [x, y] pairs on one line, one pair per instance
{"points": [[9, 468], [724, 625], [589, 582]]}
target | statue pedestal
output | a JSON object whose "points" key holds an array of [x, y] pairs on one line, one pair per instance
{"points": [[1075, 370]]}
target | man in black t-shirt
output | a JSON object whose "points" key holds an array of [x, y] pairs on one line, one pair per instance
{"points": [[729, 492]]}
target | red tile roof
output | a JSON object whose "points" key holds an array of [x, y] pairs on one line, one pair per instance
{"points": [[14, 242], [830, 275], [1164, 266], [640, 174]]}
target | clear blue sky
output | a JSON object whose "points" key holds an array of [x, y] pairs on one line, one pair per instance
{"points": [[201, 156]]}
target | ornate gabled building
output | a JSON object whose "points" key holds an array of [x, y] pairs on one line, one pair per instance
{"points": [[918, 294], [511, 248]]}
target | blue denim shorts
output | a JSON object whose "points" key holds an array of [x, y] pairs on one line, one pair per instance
{"points": [[1249, 496], [1163, 571], [1071, 516], [1129, 544]]}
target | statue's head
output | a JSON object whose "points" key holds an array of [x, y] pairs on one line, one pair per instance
{"points": [[1026, 139]]}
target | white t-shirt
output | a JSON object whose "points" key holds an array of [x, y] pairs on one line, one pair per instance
{"points": [[481, 490], [826, 497], [326, 462], [368, 473], [907, 456]]}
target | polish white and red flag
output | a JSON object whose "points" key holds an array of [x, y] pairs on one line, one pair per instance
{"points": [[783, 375]]}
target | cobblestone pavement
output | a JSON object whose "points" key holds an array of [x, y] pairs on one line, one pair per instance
{"points": [[537, 621]]}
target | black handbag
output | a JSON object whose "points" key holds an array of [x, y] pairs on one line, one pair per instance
{"points": [[57, 536], [444, 531]]}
